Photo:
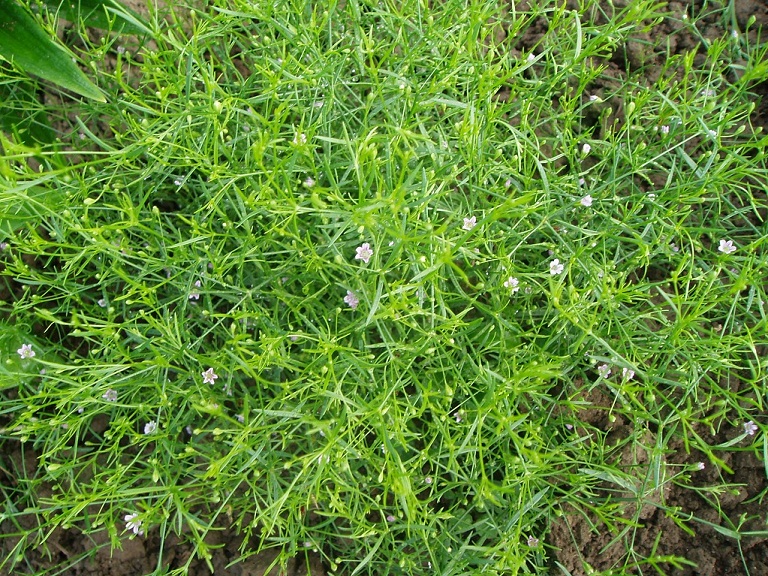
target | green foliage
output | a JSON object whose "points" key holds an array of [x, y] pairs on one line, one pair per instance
{"points": [[103, 14], [28, 46], [27, 204], [220, 351]]}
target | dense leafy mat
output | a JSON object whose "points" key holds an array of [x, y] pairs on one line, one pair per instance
{"points": [[390, 288]]}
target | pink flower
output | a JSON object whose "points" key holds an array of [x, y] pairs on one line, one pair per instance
{"points": [[209, 376], [512, 283], [351, 299], [586, 201], [195, 294], [364, 252], [726, 247], [469, 223], [133, 523], [26, 351]]}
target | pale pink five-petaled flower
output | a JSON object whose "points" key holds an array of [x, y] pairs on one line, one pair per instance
{"points": [[26, 351], [512, 283], [726, 247], [209, 376], [469, 223], [133, 523], [364, 252], [195, 294], [750, 428], [351, 299], [555, 267]]}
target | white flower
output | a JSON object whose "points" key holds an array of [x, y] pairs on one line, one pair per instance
{"points": [[665, 129], [110, 395], [26, 351], [351, 299], [133, 523], [150, 427], [555, 267], [604, 370], [102, 303], [300, 138], [750, 428], [195, 294], [364, 252], [586, 201], [309, 182], [209, 376], [469, 223], [586, 149], [627, 374], [512, 283], [533, 541], [727, 247], [700, 466]]}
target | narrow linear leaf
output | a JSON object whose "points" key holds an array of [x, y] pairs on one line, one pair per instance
{"points": [[100, 14], [20, 208], [23, 117]]}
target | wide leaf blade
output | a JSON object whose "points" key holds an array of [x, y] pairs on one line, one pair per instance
{"points": [[24, 43]]}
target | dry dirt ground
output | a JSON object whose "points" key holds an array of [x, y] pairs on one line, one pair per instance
{"points": [[575, 538]]}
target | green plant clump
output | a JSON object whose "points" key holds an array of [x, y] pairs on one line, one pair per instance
{"points": [[376, 280]]}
